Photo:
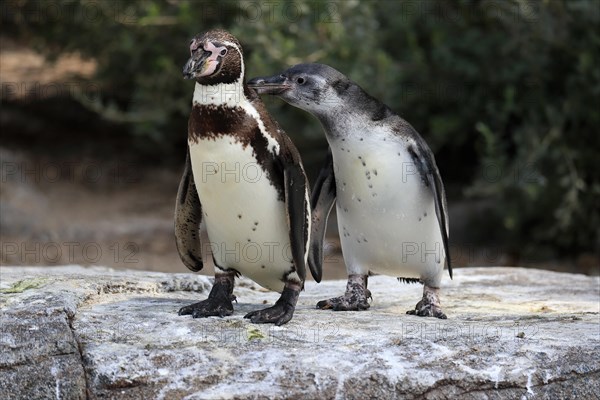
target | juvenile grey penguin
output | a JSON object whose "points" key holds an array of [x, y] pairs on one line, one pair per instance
{"points": [[391, 204], [244, 178]]}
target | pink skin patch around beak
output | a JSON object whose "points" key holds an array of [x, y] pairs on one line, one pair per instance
{"points": [[210, 63]]}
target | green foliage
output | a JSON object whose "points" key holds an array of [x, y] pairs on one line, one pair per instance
{"points": [[505, 92]]}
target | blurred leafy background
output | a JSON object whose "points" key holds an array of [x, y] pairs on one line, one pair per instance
{"points": [[506, 93]]}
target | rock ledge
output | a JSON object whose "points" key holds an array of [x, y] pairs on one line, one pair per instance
{"points": [[73, 332]]}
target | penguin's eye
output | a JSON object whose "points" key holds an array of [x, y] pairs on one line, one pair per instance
{"points": [[223, 52], [300, 80]]}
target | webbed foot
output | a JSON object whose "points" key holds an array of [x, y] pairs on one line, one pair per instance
{"points": [[430, 305], [208, 308], [219, 302], [283, 310], [356, 297]]}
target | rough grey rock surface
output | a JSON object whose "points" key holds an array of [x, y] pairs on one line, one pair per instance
{"points": [[72, 332]]}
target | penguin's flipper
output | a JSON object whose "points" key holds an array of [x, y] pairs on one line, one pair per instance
{"points": [[296, 203], [323, 198], [425, 163], [188, 216]]}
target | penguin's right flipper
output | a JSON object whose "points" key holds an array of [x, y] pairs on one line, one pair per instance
{"points": [[323, 198], [188, 216], [425, 162]]}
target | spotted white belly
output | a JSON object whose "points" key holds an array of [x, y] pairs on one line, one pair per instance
{"points": [[386, 215], [245, 220]]}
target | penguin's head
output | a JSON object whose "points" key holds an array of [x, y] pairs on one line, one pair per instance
{"points": [[316, 88], [215, 57]]}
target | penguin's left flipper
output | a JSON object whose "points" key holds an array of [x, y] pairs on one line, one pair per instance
{"points": [[425, 163], [321, 202], [188, 216]]}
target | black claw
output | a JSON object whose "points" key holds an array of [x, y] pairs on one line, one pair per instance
{"points": [[281, 313], [219, 302], [428, 312], [208, 308]]}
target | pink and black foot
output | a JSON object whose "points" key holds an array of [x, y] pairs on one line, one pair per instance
{"points": [[430, 305], [219, 302], [283, 310], [356, 297]]}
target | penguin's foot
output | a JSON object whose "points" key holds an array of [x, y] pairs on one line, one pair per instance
{"points": [[219, 302], [356, 297], [430, 305], [283, 310], [208, 308]]}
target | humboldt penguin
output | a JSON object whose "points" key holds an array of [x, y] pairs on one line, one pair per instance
{"points": [[391, 205], [244, 179]]}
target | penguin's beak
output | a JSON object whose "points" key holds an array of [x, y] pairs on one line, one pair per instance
{"points": [[276, 84], [198, 65]]}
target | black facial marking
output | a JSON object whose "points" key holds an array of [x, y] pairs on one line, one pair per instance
{"points": [[230, 65]]}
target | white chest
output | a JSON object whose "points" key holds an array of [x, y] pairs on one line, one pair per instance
{"points": [[245, 219], [383, 207]]}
